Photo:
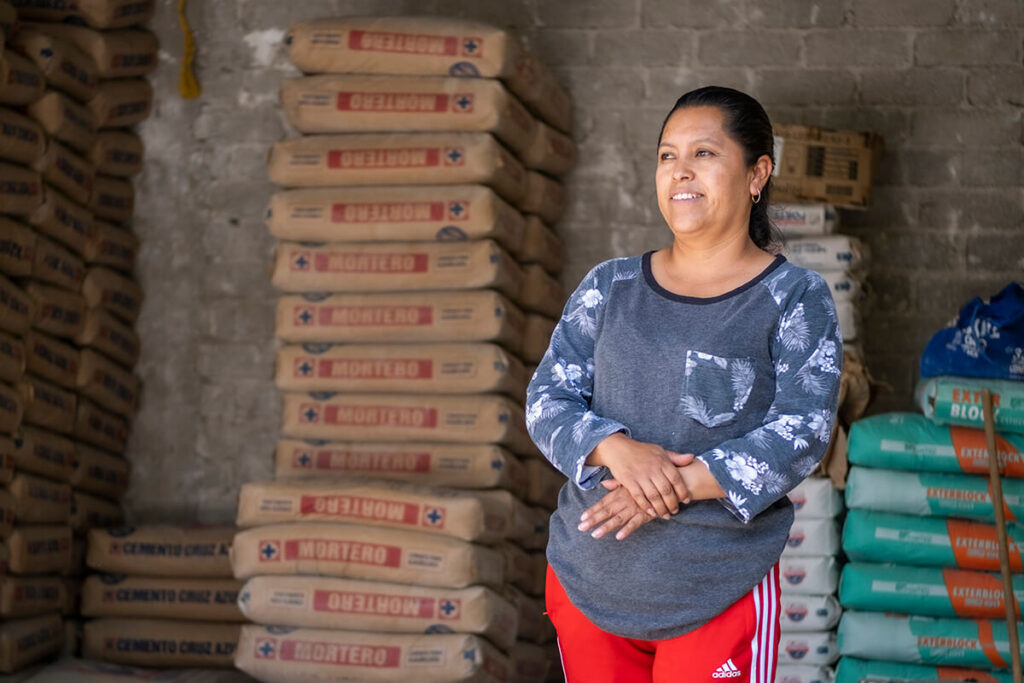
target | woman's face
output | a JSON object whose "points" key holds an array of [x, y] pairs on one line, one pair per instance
{"points": [[704, 185]]}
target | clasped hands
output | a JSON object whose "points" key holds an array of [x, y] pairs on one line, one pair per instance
{"points": [[646, 483]]}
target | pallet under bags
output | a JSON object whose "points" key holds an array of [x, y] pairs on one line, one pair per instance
{"points": [[930, 494], [394, 159], [927, 541], [475, 315], [484, 418], [364, 552], [395, 213], [284, 655], [957, 401], [977, 643], [390, 267], [350, 605]]}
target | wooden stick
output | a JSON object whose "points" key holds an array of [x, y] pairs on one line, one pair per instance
{"points": [[996, 485]]}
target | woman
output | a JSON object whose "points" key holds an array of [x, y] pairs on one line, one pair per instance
{"points": [[698, 384]]}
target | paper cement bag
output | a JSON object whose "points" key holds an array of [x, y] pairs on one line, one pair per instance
{"points": [[160, 643], [521, 569], [21, 189], [283, 655], [88, 512], [66, 171], [481, 315], [394, 159], [544, 483], [75, 569], [544, 197], [536, 337], [25, 641], [121, 103], [96, 13], [12, 357], [351, 605], [530, 662], [845, 286], [6, 459], [817, 648], [120, 53], [112, 246], [56, 311], [470, 516], [485, 418], [39, 549], [540, 293], [8, 19], [55, 265], [47, 405], [43, 453], [112, 199], [402, 368], [115, 292], [541, 245], [113, 595], [51, 359], [957, 401], [802, 673], [117, 153], [162, 551], [549, 151], [361, 103], [8, 513], [12, 408], [809, 575], [105, 332], [395, 213], [403, 266], [364, 552], [855, 670], [812, 537], [537, 87], [816, 498], [930, 541], [99, 473], [829, 252], [63, 118], [809, 612], [534, 625], [63, 65], [100, 427], [17, 246], [21, 138], [107, 383], [455, 465], [63, 220], [804, 220], [28, 596], [22, 82], [40, 501]]}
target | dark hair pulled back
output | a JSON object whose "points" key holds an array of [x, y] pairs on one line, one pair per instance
{"points": [[747, 123]]}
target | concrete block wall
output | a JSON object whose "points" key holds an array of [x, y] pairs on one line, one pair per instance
{"points": [[943, 80]]}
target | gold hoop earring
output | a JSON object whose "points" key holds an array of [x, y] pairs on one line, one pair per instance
{"points": [[757, 198]]}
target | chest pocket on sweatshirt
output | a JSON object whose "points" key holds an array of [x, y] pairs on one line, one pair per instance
{"points": [[715, 389]]}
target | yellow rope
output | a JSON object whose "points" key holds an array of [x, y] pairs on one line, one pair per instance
{"points": [[188, 86]]}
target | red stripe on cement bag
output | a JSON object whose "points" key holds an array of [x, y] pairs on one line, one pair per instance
{"points": [[160, 643], [63, 118], [393, 159], [300, 655], [392, 417], [12, 358], [120, 53], [16, 306], [809, 575], [395, 214], [47, 405], [21, 81], [26, 641], [44, 453], [549, 151], [456, 465], [51, 359], [544, 197], [364, 552], [31, 595], [162, 551], [55, 265], [96, 13], [64, 66], [390, 267], [112, 246], [481, 315], [402, 368], [66, 171], [39, 549], [358, 103], [21, 189], [40, 501], [56, 311], [63, 220], [114, 595], [17, 244], [541, 245], [484, 517], [350, 605], [117, 153], [104, 332], [115, 292], [21, 139], [402, 45], [100, 427], [107, 383], [98, 472]]}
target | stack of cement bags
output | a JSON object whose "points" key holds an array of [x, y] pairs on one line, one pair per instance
{"points": [[165, 598], [809, 575], [409, 499], [71, 85], [923, 589]]}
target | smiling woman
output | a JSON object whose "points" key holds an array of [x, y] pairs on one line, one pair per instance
{"points": [[684, 393]]}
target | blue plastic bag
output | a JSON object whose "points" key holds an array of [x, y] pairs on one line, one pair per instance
{"points": [[987, 340]]}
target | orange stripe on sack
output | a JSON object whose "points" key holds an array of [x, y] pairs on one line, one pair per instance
{"points": [[988, 644]]}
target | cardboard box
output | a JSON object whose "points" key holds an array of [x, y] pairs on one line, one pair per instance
{"points": [[821, 165]]}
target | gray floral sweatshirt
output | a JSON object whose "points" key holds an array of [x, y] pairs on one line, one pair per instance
{"points": [[747, 381]]}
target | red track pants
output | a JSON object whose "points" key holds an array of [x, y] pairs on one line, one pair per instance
{"points": [[738, 646]]}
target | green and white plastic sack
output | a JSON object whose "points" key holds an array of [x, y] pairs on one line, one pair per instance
{"points": [[812, 537], [957, 401], [855, 670]]}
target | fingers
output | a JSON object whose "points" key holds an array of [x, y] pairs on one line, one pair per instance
{"points": [[632, 525], [663, 497], [610, 484], [680, 459]]}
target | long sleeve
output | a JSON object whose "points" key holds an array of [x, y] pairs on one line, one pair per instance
{"points": [[760, 467], [558, 414]]}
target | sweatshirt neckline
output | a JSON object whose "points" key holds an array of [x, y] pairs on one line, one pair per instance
{"points": [[700, 301]]}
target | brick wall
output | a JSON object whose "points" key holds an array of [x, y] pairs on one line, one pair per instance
{"points": [[943, 80]]}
